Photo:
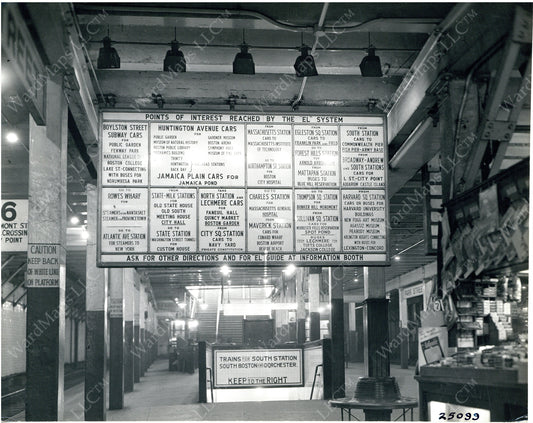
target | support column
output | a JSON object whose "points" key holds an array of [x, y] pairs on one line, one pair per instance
{"points": [[116, 339], [96, 321], [336, 298], [47, 240], [300, 308], [351, 331], [376, 332], [128, 329], [285, 326], [76, 341], [152, 338], [314, 303], [142, 326], [136, 331]]}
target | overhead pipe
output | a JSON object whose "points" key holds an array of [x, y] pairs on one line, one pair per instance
{"points": [[318, 29], [336, 29]]}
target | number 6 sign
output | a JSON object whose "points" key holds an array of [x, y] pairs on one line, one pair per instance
{"points": [[14, 225]]}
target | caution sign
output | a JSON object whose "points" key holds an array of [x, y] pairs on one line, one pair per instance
{"points": [[14, 225], [251, 368], [43, 266], [115, 307]]}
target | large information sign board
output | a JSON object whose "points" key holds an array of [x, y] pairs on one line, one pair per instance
{"points": [[206, 188], [253, 368]]}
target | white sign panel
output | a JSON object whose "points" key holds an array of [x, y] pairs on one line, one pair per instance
{"points": [[318, 222], [363, 157], [197, 154], [124, 153], [222, 225], [270, 225], [248, 368], [269, 155], [116, 307], [173, 220], [124, 220], [316, 152], [14, 225], [43, 266], [364, 220], [207, 188]]}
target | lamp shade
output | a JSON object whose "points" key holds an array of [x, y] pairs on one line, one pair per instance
{"points": [[305, 63], [371, 65], [174, 59], [108, 57], [244, 62]]}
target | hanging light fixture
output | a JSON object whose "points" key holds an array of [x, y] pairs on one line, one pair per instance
{"points": [[305, 63], [243, 64], [108, 57], [371, 65], [174, 59]]}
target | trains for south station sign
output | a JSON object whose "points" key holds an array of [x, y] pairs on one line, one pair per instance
{"points": [[258, 367]]}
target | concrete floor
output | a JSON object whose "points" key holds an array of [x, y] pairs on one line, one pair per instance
{"points": [[162, 395]]}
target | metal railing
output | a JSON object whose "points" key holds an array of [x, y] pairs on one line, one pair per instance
{"points": [[210, 380], [314, 380]]}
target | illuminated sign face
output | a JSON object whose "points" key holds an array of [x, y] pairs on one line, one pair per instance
{"points": [[249, 368], [207, 188]]}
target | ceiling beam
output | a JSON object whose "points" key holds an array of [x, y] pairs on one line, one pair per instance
{"points": [[463, 34], [55, 27], [134, 90]]}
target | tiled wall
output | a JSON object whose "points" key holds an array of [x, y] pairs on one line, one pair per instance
{"points": [[13, 339]]}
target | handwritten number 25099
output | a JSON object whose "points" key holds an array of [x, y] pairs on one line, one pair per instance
{"points": [[459, 416]]}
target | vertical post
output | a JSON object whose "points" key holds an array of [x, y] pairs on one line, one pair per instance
{"points": [[142, 325], [149, 337], [300, 307], [327, 368], [335, 277], [76, 341], [202, 373], [128, 328], [314, 303], [155, 334], [96, 321], [136, 330], [116, 339], [351, 331], [376, 332], [376, 323], [47, 240]]}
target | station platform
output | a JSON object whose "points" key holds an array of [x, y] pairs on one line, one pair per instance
{"points": [[162, 395]]}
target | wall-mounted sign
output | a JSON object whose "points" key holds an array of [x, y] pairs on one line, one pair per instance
{"points": [[44, 262], [413, 291], [207, 188], [14, 225], [258, 367]]}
